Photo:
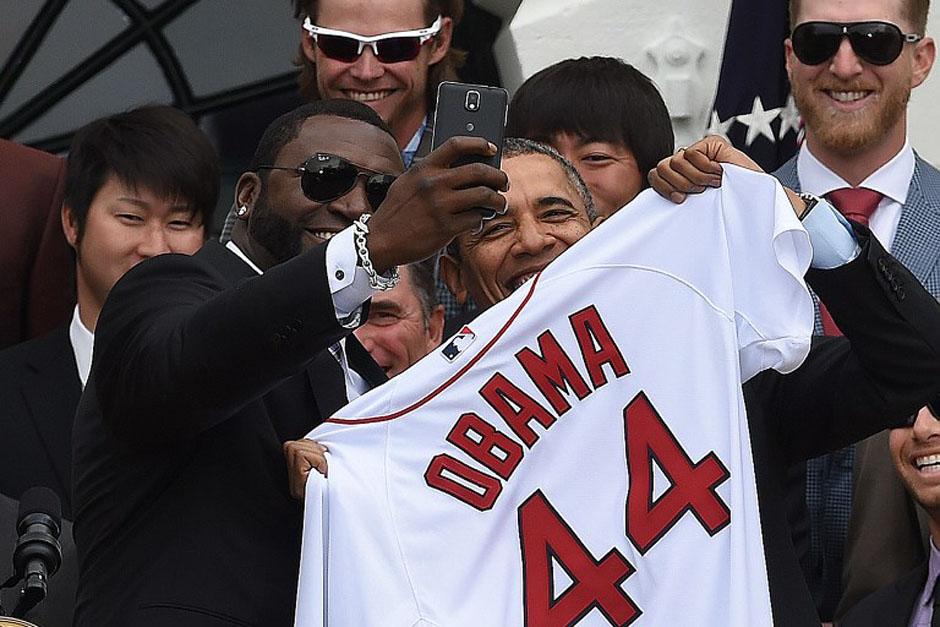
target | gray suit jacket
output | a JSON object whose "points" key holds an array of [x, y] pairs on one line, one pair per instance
{"points": [[885, 538]]}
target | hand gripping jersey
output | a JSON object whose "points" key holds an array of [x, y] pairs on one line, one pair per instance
{"points": [[578, 454]]}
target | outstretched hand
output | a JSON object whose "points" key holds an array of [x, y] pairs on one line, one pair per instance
{"points": [[691, 170]]}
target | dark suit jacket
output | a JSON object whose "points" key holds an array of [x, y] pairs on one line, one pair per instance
{"points": [[36, 294], [841, 394], [885, 538], [891, 606], [56, 609], [39, 391], [202, 369]]}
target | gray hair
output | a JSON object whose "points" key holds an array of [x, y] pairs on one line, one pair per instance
{"points": [[516, 147]]}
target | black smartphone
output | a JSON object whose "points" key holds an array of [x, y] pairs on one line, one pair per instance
{"points": [[471, 110]]}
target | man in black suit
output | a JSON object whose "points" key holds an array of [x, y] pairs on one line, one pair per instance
{"points": [[205, 365], [843, 391], [137, 184], [915, 452]]}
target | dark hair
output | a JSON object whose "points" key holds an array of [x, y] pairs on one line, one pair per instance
{"points": [[915, 12], [156, 147], [286, 128], [422, 280], [444, 70], [516, 147], [598, 99]]}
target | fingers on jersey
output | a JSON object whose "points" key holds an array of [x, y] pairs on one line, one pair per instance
{"points": [[303, 456]]}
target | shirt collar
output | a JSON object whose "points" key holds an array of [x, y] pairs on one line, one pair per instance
{"points": [[232, 246], [83, 343], [408, 153], [891, 180]]}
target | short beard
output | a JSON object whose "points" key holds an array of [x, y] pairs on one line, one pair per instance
{"points": [[275, 234], [848, 134]]}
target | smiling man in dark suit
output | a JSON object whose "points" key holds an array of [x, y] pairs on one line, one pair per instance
{"points": [[138, 184], [204, 366], [912, 600]]}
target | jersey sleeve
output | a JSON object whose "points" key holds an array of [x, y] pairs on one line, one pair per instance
{"points": [[769, 253]]}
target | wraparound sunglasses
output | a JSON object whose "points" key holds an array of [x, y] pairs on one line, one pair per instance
{"points": [[388, 47]]}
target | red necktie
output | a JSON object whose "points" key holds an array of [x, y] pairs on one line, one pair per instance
{"points": [[856, 204]]}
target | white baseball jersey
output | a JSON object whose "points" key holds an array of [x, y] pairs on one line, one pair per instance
{"points": [[578, 454]]}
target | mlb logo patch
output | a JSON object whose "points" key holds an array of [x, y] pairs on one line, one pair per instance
{"points": [[458, 344]]}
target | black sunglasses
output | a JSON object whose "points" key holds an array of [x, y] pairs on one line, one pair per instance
{"points": [[325, 177], [878, 43], [933, 406]]}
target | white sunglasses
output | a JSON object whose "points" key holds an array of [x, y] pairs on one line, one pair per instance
{"points": [[387, 48]]}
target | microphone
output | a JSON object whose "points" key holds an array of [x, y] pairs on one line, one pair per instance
{"points": [[38, 554]]}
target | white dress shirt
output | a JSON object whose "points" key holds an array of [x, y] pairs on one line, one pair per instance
{"points": [[892, 180], [349, 287], [83, 342]]}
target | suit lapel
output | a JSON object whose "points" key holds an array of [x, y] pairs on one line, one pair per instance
{"points": [[907, 591], [329, 382], [788, 175], [51, 391], [362, 362], [226, 261], [917, 241]]}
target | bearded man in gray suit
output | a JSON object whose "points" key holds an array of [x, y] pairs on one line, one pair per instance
{"points": [[852, 67]]}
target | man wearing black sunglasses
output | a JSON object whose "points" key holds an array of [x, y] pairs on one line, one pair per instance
{"points": [[915, 452], [205, 365], [852, 66]]}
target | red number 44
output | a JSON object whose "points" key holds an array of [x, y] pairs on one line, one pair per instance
{"points": [[596, 583]]}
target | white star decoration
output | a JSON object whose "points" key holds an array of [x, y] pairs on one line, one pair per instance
{"points": [[758, 121], [789, 118], [717, 127]]}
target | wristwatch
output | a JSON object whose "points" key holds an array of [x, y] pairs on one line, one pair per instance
{"points": [[810, 200]]}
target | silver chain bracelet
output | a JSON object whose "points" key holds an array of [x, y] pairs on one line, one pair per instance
{"points": [[376, 280]]}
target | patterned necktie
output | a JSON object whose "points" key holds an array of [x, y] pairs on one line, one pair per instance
{"points": [[856, 204]]}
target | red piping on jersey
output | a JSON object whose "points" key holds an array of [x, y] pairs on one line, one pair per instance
{"points": [[446, 384]]}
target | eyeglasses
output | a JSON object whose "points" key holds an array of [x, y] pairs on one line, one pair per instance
{"points": [[878, 43], [388, 48], [325, 177], [933, 406]]}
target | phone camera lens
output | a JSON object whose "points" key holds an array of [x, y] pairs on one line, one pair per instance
{"points": [[472, 103]]}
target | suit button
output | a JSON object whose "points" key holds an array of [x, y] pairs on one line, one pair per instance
{"points": [[340, 275]]}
